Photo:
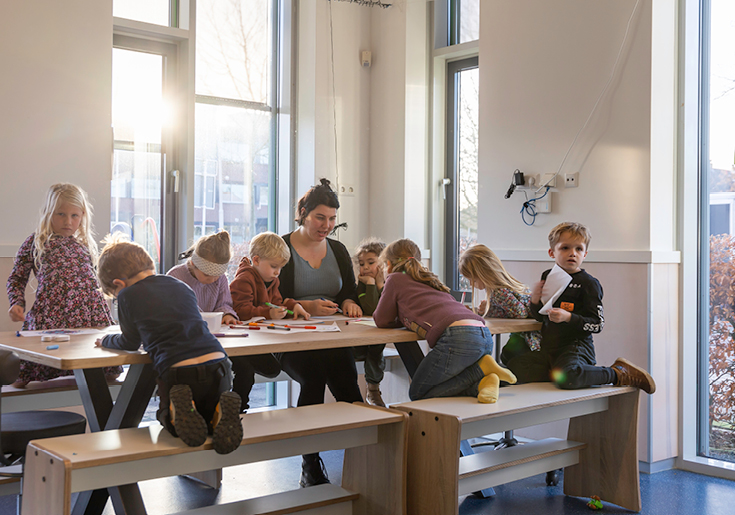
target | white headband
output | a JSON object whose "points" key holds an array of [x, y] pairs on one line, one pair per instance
{"points": [[209, 268]]}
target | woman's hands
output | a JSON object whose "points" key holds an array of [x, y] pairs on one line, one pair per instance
{"points": [[320, 307], [351, 309], [16, 313]]}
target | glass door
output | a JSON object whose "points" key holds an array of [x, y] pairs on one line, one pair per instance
{"points": [[142, 73]]}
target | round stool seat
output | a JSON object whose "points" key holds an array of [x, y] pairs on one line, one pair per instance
{"points": [[21, 427]]}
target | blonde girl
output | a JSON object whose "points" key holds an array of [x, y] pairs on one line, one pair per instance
{"points": [[507, 297], [62, 255], [370, 281], [204, 271], [459, 363]]}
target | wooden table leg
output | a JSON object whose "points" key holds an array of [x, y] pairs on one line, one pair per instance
{"points": [[608, 467]]}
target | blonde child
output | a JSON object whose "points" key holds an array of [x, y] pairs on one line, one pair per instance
{"points": [[567, 355], [459, 363], [370, 281], [204, 272], [507, 297], [62, 255], [255, 294], [193, 372]]}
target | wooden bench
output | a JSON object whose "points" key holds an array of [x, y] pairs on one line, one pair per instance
{"points": [[373, 477], [60, 392], [600, 454]]}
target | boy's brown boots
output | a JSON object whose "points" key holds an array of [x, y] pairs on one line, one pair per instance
{"points": [[632, 375], [373, 395]]}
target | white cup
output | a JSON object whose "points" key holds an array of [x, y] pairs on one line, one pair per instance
{"points": [[213, 320]]}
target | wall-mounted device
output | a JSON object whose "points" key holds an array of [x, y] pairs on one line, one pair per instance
{"points": [[366, 58]]}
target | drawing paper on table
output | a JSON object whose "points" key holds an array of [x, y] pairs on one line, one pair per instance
{"points": [[556, 282]]}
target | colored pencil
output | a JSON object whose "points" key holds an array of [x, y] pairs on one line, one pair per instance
{"points": [[279, 307], [225, 335], [282, 328], [250, 327]]}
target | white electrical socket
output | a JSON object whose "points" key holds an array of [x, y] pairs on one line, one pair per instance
{"points": [[571, 180], [549, 178], [345, 190], [532, 181]]}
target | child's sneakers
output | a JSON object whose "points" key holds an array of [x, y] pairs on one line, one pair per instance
{"points": [[374, 398], [227, 426], [632, 375], [188, 423]]}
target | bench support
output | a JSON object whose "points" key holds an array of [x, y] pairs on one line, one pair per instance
{"points": [[608, 467]]}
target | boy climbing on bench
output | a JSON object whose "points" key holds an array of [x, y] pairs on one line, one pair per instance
{"points": [[567, 355], [194, 375]]}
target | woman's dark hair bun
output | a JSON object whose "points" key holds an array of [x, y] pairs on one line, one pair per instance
{"points": [[325, 182], [320, 194]]}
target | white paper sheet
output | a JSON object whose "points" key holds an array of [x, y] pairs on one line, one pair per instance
{"points": [[70, 332], [556, 282]]}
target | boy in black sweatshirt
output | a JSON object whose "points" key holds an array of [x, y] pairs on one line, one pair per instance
{"points": [[567, 355]]}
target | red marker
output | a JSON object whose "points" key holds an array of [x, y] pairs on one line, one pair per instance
{"points": [[301, 326]]}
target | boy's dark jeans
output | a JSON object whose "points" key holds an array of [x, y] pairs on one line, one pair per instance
{"points": [[570, 367], [245, 368], [207, 381]]}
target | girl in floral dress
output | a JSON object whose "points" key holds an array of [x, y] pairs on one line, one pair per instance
{"points": [[61, 254], [507, 297]]}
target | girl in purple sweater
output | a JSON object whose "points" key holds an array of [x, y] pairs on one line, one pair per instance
{"points": [[459, 363]]}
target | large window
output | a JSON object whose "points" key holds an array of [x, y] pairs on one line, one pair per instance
{"points": [[464, 21], [717, 306], [235, 119], [461, 168]]}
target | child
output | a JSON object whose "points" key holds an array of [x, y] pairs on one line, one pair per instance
{"points": [[61, 254], [193, 370], [459, 362], [507, 297], [567, 355], [370, 282], [256, 285], [204, 272]]}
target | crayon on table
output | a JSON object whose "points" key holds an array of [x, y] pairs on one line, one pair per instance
{"points": [[282, 328]]}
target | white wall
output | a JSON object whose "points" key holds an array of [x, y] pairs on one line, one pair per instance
{"points": [[55, 101], [56, 108]]}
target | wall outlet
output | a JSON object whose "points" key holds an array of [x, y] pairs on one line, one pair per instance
{"points": [[345, 190], [549, 178], [571, 180], [532, 181]]}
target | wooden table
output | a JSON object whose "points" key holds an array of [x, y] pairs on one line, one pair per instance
{"points": [[500, 326], [86, 360]]}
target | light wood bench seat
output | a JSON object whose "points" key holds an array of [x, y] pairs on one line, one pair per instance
{"points": [[373, 439], [600, 456]]}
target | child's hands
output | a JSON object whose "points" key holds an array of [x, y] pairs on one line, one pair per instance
{"points": [[351, 309], [298, 310], [482, 307], [536, 292], [228, 319], [558, 315], [98, 342], [16, 313], [366, 279], [277, 313]]}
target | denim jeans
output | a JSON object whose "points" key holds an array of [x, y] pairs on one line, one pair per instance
{"points": [[372, 355], [451, 368]]}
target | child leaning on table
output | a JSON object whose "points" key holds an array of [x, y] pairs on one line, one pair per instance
{"points": [[255, 285], [567, 355], [370, 281], [62, 254], [204, 272], [161, 313], [459, 363], [507, 297]]}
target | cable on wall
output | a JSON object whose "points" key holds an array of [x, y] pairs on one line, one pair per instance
{"points": [[366, 3], [597, 103]]}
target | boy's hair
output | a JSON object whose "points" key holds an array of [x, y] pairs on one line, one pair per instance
{"points": [[121, 259], [321, 194], [268, 245], [480, 264], [373, 245], [405, 256], [575, 229], [213, 247], [56, 195]]}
